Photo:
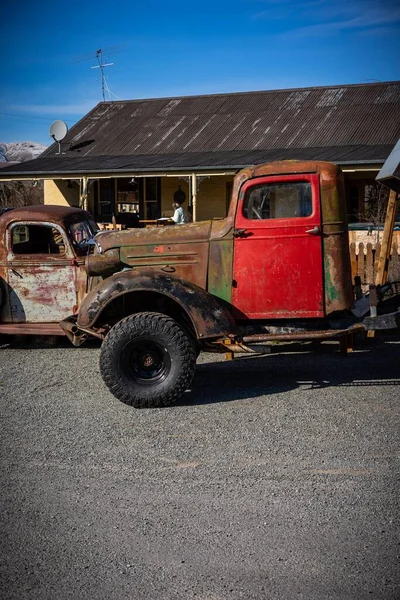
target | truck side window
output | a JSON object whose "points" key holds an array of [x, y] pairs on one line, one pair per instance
{"points": [[36, 239], [288, 200]]}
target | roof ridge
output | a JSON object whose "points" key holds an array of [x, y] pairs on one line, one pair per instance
{"points": [[252, 92]]}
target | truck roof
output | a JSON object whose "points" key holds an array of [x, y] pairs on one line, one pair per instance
{"points": [[42, 212]]}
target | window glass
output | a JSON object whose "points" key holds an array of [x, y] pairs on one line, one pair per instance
{"points": [[278, 201], [36, 239], [82, 234]]}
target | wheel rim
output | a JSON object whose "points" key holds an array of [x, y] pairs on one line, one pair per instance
{"points": [[146, 362]]}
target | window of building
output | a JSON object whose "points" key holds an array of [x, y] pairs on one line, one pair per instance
{"points": [[104, 199], [152, 197]]}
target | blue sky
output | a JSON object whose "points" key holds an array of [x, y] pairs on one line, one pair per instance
{"points": [[182, 48]]}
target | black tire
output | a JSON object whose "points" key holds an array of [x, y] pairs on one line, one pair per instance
{"points": [[148, 360]]}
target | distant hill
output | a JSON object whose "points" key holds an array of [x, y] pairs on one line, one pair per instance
{"points": [[25, 193], [19, 152]]}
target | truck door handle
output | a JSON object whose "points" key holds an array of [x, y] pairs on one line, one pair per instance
{"points": [[314, 231], [168, 269], [239, 232]]}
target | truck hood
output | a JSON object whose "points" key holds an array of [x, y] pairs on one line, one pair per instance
{"points": [[155, 236], [181, 250]]}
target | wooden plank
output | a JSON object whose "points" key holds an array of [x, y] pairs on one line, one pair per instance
{"points": [[369, 266], [383, 263], [353, 261], [361, 265], [376, 259]]}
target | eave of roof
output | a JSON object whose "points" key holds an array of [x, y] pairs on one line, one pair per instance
{"points": [[93, 166]]}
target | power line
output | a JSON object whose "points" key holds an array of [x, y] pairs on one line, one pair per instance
{"points": [[31, 117]]}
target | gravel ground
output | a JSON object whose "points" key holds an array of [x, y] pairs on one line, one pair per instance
{"points": [[273, 478]]}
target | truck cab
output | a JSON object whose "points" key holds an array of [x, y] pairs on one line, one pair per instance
{"points": [[42, 266]]}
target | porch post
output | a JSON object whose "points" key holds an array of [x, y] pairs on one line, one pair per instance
{"points": [[194, 195], [83, 201]]}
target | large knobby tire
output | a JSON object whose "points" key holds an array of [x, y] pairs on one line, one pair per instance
{"points": [[148, 360]]}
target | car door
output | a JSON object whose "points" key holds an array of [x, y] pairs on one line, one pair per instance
{"points": [[277, 269], [41, 273]]}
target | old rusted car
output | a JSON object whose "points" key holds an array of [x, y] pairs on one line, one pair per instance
{"points": [[276, 268]]}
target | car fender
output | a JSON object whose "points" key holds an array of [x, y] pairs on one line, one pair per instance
{"points": [[210, 319]]}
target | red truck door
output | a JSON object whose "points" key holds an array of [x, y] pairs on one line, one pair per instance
{"points": [[278, 271]]}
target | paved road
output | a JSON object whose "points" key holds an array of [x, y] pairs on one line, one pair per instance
{"points": [[274, 478]]}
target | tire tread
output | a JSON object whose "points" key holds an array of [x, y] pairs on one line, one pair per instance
{"points": [[142, 323]]}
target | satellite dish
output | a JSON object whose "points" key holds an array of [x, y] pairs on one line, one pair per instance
{"points": [[58, 130]]}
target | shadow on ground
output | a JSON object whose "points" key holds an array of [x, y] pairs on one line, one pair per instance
{"points": [[310, 365], [314, 366], [31, 342]]}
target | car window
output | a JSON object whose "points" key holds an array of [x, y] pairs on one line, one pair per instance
{"points": [[36, 239], [278, 201]]}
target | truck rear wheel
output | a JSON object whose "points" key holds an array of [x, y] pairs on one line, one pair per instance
{"points": [[148, 360]]}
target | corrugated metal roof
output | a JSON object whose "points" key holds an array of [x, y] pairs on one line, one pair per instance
{"points": [[290, 122], [318, 117], [92, 165]]}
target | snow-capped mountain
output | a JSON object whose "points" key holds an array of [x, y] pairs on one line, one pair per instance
{"points": [[20, 151]]}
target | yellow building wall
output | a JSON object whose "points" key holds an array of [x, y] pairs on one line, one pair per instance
{"points": [[170, 185], [211, 198], [56, 191], [211, 195]]}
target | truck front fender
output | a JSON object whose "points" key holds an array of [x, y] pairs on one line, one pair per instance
{"points": [[210, 319]]}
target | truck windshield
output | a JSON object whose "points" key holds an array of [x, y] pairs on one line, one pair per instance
{"points": [[82, 234]]}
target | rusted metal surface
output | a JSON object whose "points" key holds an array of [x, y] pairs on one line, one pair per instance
{"points": [[41, 286], [303, 335], [178, 250], [43, 213], [336, 256], [31, 329], [208, 318], [155, 236], [78, 335], [100, 264], [238, 347]]}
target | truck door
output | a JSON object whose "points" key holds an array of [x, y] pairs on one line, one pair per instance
{"points": [[41, 273], [277, 271]]}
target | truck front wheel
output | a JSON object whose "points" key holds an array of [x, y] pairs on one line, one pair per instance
{"points": [[147, 360]]}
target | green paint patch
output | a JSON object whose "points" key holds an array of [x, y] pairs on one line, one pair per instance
{"points": [[330, 288]]}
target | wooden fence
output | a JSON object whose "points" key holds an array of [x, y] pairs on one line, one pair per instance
{"points": [[364, 261]]}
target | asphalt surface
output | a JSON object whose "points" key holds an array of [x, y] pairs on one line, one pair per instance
{"points": [[273, 478]]}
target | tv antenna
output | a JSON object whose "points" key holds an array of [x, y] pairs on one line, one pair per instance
{"points": [[58, 131], [99, 55]]}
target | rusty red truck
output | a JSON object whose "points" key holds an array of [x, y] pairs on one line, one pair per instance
{"points": [[276, 268]]}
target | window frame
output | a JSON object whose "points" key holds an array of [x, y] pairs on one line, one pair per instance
{"points": [[11, 255], [271, 181]]}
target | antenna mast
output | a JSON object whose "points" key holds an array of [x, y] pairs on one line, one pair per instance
{"points": [[101, 66], [99, 56]]}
